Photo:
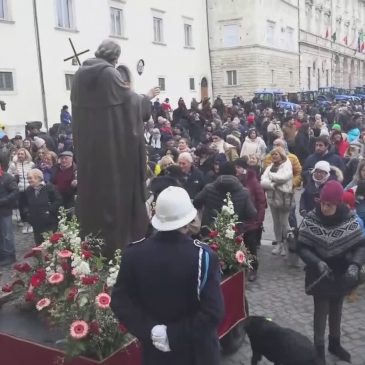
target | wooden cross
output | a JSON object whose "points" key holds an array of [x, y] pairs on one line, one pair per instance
{"points": [[75, 55]]}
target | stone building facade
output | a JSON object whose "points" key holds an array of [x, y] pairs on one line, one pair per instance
{"points": [[253, 44]]}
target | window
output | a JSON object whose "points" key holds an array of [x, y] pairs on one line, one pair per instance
{"points": [[290, 38], [3, 9], [161, 83], [231, 35], [232, 78], [6, 81], [116, 22], [270, 32], [65, 14], [158, 29], [309, 77], [188, 32], [69, 78], [192, 83]]}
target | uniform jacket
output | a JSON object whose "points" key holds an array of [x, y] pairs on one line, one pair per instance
{"points": [[212, 196], [157, 284], [194, 182]]}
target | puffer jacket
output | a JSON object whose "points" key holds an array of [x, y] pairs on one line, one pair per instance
{"points": [[20, 171], [211, 198], [255, 147]]}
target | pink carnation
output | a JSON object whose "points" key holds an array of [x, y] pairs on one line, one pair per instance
{"points": [[103, 300], [56, 278], [240, 257], [79, 329], [43, 303], [64, 254]]}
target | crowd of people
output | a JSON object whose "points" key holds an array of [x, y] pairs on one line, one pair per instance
{"points": [[259, 155]]}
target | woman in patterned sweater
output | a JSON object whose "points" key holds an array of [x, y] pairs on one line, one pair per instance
{"points": [[332, 245]]}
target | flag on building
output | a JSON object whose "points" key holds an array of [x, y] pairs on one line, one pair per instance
{"points": [[327, 33], [334, 37], [345, 40], [360, 42]]}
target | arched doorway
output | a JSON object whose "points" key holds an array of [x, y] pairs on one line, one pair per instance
{"points": [[204, 88]]}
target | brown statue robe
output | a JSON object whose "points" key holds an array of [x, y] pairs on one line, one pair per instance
{"points": [[110, 152]]}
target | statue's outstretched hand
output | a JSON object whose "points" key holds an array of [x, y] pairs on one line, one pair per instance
{"points": [[152, 93]]}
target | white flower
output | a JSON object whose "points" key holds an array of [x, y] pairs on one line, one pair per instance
{"points": [[230, 233], [83, 268], [75, 241]]}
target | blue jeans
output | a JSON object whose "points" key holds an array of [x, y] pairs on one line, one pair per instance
{"points": [[7, 247]]}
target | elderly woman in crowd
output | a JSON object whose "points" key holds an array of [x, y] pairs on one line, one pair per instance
{"points": [[277, 180], [253, 145], [332, 245], [19, 168], [43, 204]]}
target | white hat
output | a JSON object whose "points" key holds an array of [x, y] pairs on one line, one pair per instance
{"points": [[39, 142], [323, 166], [174, 209]]}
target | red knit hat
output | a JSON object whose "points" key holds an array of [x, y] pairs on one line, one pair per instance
{"points": [[250, 119], [349, 198], [332, 192]]}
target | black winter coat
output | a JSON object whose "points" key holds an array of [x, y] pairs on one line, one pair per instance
{"points": [[194, 182], [212, 196], [157, 284], [8, 194], [43, 208]]}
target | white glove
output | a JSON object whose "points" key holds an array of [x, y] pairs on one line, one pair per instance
{"points": [[159, 338]]}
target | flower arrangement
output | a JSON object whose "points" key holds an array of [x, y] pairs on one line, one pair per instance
{"points": [[69, 283], [226, 240]]}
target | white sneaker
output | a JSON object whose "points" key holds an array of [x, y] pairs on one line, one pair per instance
{"points": [[25, 229], [20, 224], [277, 249], [283, 251], [30, 229]]}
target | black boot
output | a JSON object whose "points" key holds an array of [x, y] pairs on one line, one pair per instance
{"points": [[320, 354], [335, 348]]}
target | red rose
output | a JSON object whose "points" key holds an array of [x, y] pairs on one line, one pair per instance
{"points": [[41, 273], [94, 327], [213, 234], [239, 240], [8, 288], [214, 246], [90, 279], [87, 254], [72, 294], [56, 237], [29, 296], [38, 278], [23, 267], [122, 328]]}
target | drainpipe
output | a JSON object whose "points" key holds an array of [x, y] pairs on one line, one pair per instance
{"points": [[40, 65], [210, 57]]}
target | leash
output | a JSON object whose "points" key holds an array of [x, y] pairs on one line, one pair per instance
{"points": [[317, 281]]}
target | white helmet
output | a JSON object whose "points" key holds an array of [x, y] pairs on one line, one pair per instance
{"points": [[174, 209]]}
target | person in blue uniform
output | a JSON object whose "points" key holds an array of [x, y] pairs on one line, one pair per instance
{"points": [[168, 289]]}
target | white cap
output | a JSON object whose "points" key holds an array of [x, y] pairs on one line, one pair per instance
{"points": [[174, 209], [323, 166]]}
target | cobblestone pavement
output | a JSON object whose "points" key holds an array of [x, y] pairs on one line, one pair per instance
{"points": [[279, 294]]}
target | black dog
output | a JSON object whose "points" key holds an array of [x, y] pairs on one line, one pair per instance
{"points": [[282, 346]]}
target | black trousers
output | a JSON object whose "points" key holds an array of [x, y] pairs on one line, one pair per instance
{"points": [[324, 307], [22, 205], [252, 240]]}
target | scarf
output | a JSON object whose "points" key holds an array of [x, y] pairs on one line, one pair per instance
{"points": [[330, 236]]}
